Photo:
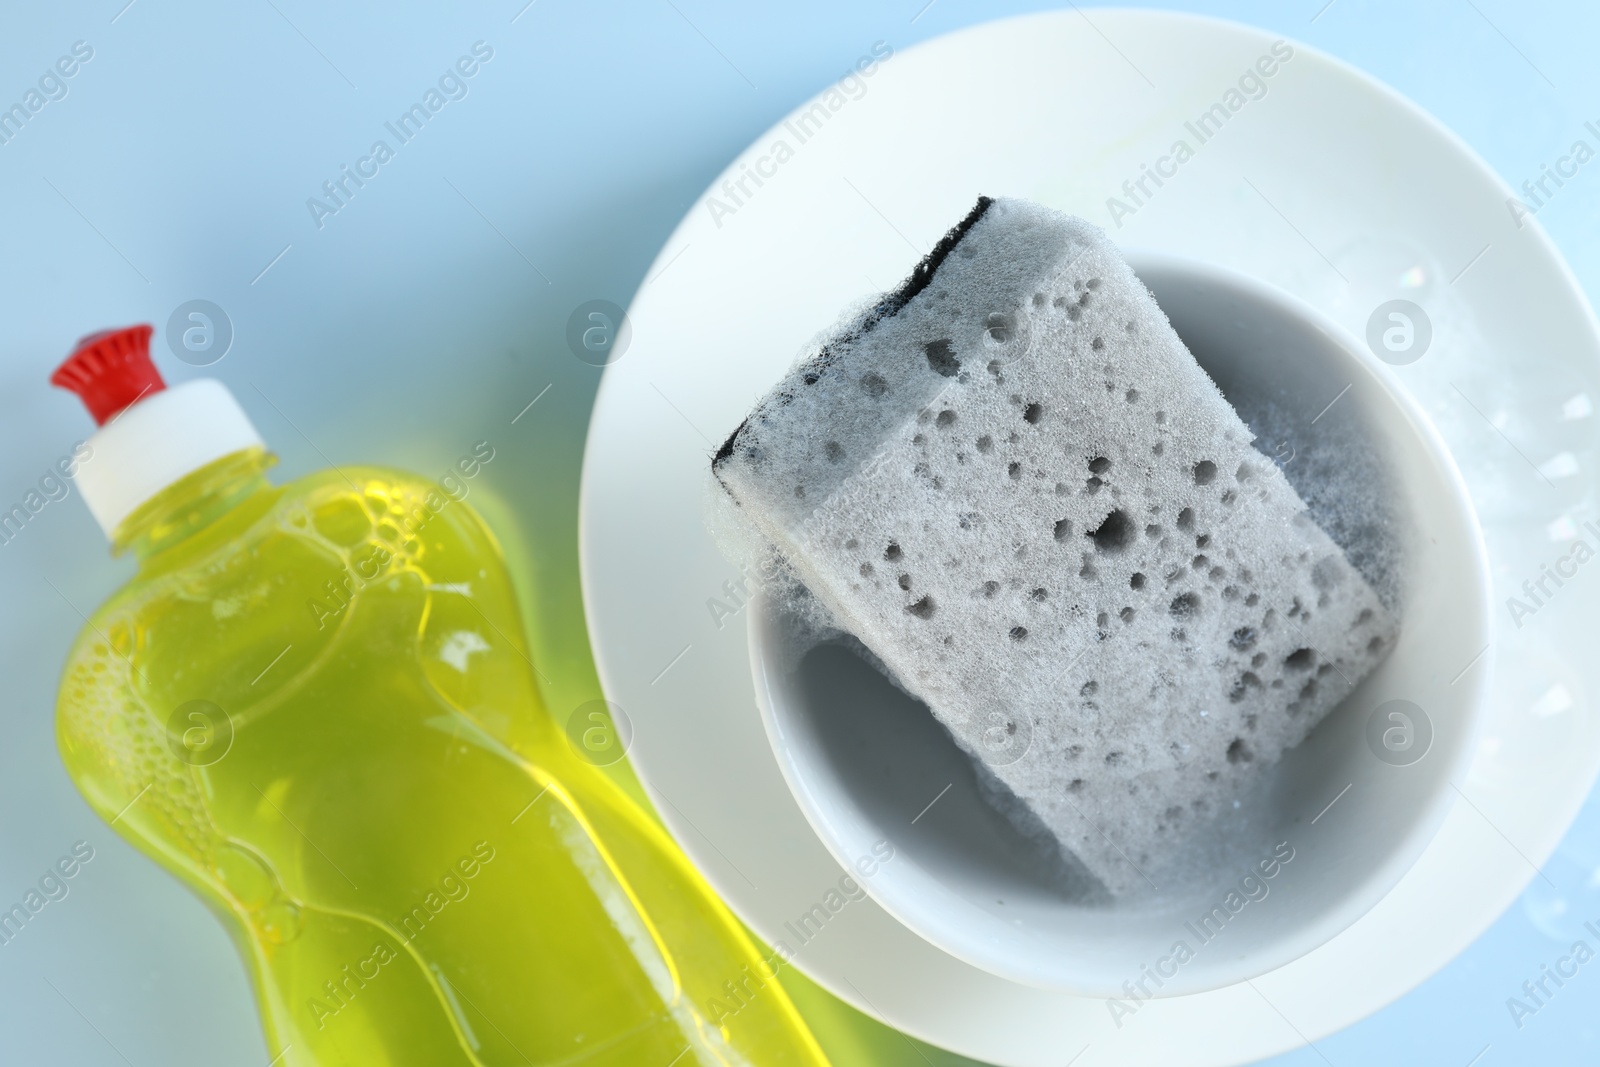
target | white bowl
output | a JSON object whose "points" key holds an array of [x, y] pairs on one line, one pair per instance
{"points": [[865, 761]]}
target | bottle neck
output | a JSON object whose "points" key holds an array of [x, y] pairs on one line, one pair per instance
{"points": [[205, 505]]}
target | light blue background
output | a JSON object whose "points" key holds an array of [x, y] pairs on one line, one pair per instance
{"points": [[178, 166]]}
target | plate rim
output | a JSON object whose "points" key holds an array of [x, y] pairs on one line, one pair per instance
{"points": [[1571, 295]]}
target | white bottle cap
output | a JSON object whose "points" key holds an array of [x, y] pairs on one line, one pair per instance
{"points": [[150, 436], [152, 444]]}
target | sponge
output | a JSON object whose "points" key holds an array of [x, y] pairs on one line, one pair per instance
{"points": [[1012, 482]]}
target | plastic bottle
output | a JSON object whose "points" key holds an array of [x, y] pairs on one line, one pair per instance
{"points": [[314, 705]]}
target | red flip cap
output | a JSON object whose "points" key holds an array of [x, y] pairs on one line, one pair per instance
{"points": [[111, 371]]}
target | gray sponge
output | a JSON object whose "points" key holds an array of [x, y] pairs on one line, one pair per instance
{"points": [[1013, 483]]}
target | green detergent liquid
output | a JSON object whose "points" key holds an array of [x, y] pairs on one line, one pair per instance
{"points": [[314, 705]]}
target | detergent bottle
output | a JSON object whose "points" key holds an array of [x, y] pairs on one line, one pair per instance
{"points": [[314, 704]]}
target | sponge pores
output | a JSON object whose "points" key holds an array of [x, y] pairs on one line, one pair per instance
{"points": [[1013, 483]]}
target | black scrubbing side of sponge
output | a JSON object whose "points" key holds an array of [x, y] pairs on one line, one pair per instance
{"points": [[919, 279]]}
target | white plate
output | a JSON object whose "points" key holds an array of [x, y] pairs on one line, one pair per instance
{"points": [[1328, 186]]}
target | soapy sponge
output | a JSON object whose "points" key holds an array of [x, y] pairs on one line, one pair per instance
{"points": [[1013, 483]]}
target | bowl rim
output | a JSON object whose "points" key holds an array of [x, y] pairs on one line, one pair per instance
{"points": [[1362, 895]]}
